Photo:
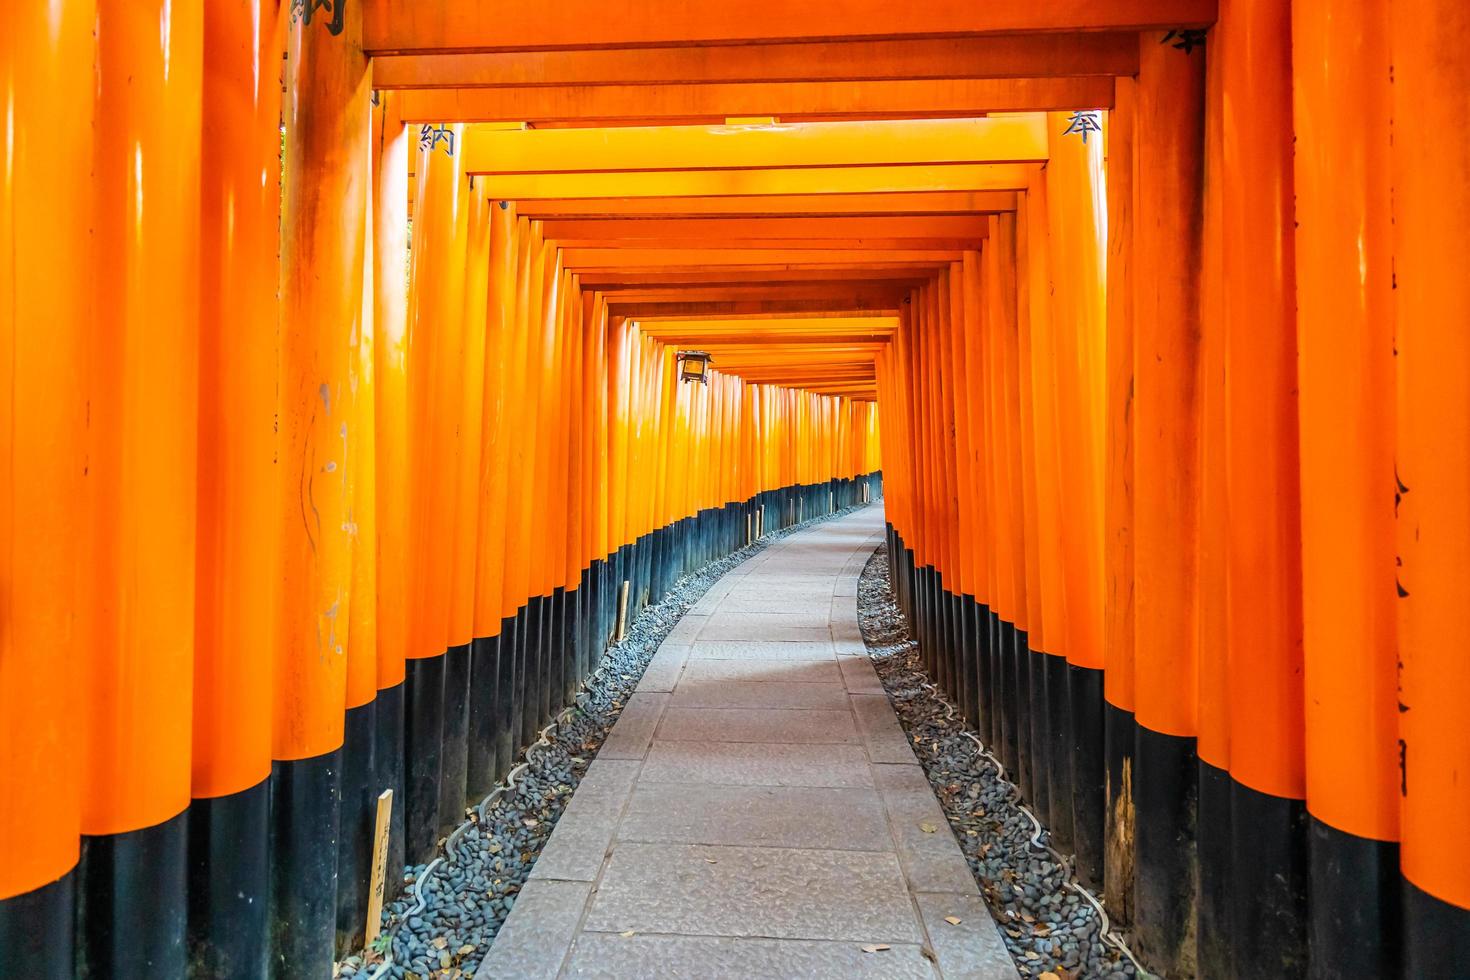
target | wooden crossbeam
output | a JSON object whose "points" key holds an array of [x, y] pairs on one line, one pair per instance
{"points": [[1009, 139], [392, 26], [764, 181], [793, 205], [1002, 56], [645, 105]]}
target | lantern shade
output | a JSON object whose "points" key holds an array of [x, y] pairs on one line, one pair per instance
{"points": [[694, 366]]}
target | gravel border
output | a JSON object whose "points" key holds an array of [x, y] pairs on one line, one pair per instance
{"points": [[467, 894], [1049, 927]]}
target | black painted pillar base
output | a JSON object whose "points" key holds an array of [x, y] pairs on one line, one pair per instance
{"points": [[1059, 765], [303, 866], [423, 746], [1357, 907], [1089, 772], [1040, 715], [1436, 936], [1165, 805], [1118, 830], [132, 906], [357, 809], [1214, 929], [484, 723], [36, 931], [229, 885], [1268, 883], [389, 756]]}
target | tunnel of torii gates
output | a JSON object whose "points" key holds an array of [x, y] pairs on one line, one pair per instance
{"points": [[339, 345]]}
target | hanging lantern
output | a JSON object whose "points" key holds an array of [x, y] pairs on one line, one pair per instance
{"points": [[694, 366]]}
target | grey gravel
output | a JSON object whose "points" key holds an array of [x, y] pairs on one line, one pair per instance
{"points": [[468, 898], [1045, 924]]}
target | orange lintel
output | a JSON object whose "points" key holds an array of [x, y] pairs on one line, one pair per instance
{"points": [[1006, 139], [632, 105], [391, 26], [1002, 56]]}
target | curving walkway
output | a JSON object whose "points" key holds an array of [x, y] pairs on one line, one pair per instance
{"points": [[757, 812]]}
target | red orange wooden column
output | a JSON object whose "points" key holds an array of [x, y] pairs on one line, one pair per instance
{"points": [[47, 72], [237, 577], [1166, 413], [142, 435], [1345, 336], [390, 149], [1432, 340], [1263, 559], [324, 227]]}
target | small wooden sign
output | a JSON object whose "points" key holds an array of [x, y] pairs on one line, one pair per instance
{"points": [[380, 867], [622, 621]]}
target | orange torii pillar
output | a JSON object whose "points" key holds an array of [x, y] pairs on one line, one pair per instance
{"points": [[1212, 722], [324, 227], [47, 73], [134, 692], [390, 149], [1078, 243], [238, 567], [435, 310], [1267, 862], [465, 377], [360, 778], [492, 673], [1169, 156], [1345, 330], [1118, 511], [1431, 98]]}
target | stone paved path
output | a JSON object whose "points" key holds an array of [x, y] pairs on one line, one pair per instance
{"points": [[756, 812]]}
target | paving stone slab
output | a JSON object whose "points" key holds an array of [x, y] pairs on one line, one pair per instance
{"points": [[793, 726], [860, 677], [771, 892], [757, 764], [664, 668], [758, 816], [763, 671], [882, 735], [807, 616], [630, 737], [932, 860], [610, 956], [760, 650], [766, 600], [584, 832], [538, 933], [759, 627], [972, 950], [758, 694]]}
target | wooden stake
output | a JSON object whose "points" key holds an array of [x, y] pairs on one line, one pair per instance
{"points": [[380, 866], [622, 613]]}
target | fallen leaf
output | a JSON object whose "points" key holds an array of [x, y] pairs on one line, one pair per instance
{"points": [[625, 935], [530, 821], [952, 920], [927, 827], [466, 949], [876, 948], [1048, 975], [439, 942], [1031, 954]]}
